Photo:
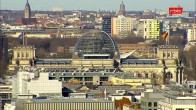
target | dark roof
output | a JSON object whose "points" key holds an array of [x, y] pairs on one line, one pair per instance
{"points": [[54, 61], [139, 61], [26, 21]]}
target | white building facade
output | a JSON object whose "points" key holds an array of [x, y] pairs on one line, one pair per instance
{"points": [[36, 84], [172, 102]]}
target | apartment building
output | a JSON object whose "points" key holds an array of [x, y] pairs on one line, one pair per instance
{"points": [[121, 26], [152, 29]]}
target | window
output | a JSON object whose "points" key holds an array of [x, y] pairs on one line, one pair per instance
{"points": [[173, 54], [18, 55], [154, 75], [27, 55], [146, 75], [168, 54], [164, 55], [155, 104], [191, 86], [149, 104], [22, 55], [169, 75]]}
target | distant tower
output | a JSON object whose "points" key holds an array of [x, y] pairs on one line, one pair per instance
{"points": [[27, 10], [122, 9]]}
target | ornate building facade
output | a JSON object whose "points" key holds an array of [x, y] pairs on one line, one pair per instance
{"points": [[96, 54]]}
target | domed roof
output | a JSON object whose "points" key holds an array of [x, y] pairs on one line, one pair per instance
{"points": [[96, 44]]}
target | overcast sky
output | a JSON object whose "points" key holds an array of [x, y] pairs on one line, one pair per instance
{"points": [[188, 5]]}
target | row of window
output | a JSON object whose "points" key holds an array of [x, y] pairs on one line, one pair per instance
{"points": [[70, 106], [150, 104], [22, 55]]}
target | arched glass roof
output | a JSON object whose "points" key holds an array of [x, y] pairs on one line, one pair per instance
{"points": [[96, 45]]}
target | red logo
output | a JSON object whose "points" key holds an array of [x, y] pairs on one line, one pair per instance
{"points": [[175, 10]]}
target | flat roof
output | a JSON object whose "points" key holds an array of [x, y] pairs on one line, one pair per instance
{"points": [[86, 55], [139, 61], [66, 61], [69, 100]]}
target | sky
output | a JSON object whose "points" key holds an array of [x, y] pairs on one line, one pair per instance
{"points": [[131, 5]]}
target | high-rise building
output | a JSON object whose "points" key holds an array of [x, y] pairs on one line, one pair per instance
{"points": [[121, 26], [191, 34], [122, 9], [106, 24], [152, 29], [3, 54], [27, 10]]}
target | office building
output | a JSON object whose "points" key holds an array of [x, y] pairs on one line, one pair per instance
{"points": [[177, 102], [121, 26], [65, 104], [27, 82], [191, 34], [106, 24], [150, 98], [152, 29], [5, 95], [3, 54]]}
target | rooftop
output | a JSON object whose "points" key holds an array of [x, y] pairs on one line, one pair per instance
{"points": [[68, 100], [139, 61]]}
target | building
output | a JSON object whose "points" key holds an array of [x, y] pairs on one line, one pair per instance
{"points": [[3, 54], [176, 102], [27, 82], [152, 29], [121, 26], [106, 24], [140, 28], [97, 56], [145, 50], [121, 10], [189, 45], [191, 85], [9, 106], [27, 20], [22, 56], [128, 79], [65, 104], [150, 98], [27, 10], [191, 34], [15, 31], [155, 68], [5, 95]]}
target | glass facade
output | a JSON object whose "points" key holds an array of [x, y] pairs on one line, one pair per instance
{"points": [[96, 45]]}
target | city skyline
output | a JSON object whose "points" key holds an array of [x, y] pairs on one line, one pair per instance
{"points": [[96, 5]]}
